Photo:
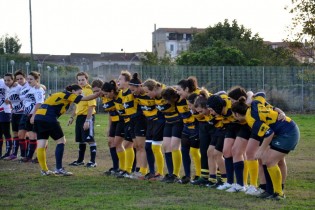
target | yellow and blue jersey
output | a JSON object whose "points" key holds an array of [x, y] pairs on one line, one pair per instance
{"points": [[109, 106], [56, 105], [167, 109], [190, 124], [147, 105]]}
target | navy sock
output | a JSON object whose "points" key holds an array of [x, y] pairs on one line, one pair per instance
{"points": [[169, 162], [31, 148], [23, 147], [1, 143], [59, 155], [8, 144], [150, 157], [269, 187], [114, 156], [239, 169], [134, 165], [262, 186], [186, 160], [93, 152], [82, 148], [229, 170], [16, 144]]}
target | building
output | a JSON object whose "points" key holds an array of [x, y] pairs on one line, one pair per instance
{"points": [[172, 41]]}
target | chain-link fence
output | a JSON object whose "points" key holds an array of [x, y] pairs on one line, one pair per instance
{"points": [[289, 88]]}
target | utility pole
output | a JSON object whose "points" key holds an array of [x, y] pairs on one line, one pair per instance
{"points": [[31, 31]]}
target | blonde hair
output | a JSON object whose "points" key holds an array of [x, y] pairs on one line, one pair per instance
{"points": [[151, 84]]}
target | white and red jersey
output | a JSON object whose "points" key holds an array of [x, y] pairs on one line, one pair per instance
{"points": [[6, 108], [14, 97], [34, 96]]}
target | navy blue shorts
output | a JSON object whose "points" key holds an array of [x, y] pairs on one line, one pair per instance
{"points": [[217, 139], [44, 130], [140, 126], [173, 129], [25, 123], [82, 135], [112, 128], [234, 130], [120, 129], [16, 118]]}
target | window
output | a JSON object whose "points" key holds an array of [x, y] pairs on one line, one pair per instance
{"points": [[171, 47]]}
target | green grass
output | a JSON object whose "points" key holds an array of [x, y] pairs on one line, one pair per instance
{"points": [[22, 187]]}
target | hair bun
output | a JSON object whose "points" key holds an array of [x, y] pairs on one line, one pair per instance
{"points": [[135, 76]]}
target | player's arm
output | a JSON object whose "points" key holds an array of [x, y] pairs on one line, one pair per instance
{"points": [[33, 115], [88, 119], [70, 121]]}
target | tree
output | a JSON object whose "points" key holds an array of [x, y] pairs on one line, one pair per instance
{"points": [[232, 45], [150, 58], [10, 45]]}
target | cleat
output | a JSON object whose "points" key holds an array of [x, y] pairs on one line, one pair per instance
{"points": [[184, 180], [172, 179], [211, 184], [135, 175], [4, 156], [156, 177], [236, 188], [76, 163], [124, 174], [46, 173], [166, 177], [201, 181], [90, 164], [110, 172], [276, 197], [11, 157], [252, 190], [224, 186], [35, 160], [148, 176], [263, 195], [26, 160], [62, 172]]}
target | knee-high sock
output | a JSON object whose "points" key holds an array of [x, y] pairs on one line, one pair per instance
{"points": [[195, 154], [169, 162], [159, 159], [253, 167], [130, 157], [16, 144], [82, 148], [122, 159], [276, 177], [93, 152], [186, 160], [59, 155], [23, 147], [239, 170], [114, 157], [229, 170], [8, 143], [245, 173], [150, 157], [31, 148], [41, 156], [177, 161], [269, 186]]}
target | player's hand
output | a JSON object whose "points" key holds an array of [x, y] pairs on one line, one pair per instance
{"points": [[86, 125], [70, 121], [32, 119], [281, 117], [259, 153]]}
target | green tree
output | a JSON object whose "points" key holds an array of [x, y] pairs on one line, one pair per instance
{"points": [[10, 45], [232, 44], [150, 58]]}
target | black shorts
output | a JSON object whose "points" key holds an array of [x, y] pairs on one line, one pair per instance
{"points": [[120, 129], [112, 128], [217, 139], [82, 135], [5, 130], [234, 130], [190, 141], [5, 117], [256, 137], [25, 123], [129, 130], [16, 118], [44, 130], [173, 129], [140, 126], [205, 132]]}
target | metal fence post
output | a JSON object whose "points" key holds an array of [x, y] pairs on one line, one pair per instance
{"points": [[302, 90], [223, 78]]}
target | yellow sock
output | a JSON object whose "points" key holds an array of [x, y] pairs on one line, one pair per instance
{"points": [[195, 154], [159, 159], [41, 156], [122, 158], [130, 157], [253, 171], [205, 173], [177, 161], [245, 173], [276, 178], [143, 170]]}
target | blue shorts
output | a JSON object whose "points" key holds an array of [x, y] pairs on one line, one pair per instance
{"points": [[286, 142], [173, 129]]}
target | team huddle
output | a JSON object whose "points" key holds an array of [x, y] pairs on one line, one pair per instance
{"points": [[151, 125]]}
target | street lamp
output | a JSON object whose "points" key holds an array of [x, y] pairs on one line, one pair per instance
{"points": [[27, 64], [49, 91], [12, 65], [56, 78]]}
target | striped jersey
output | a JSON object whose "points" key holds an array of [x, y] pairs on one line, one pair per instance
{"points": [[32, 97], [4, 107], [14, 97], [109, 106]]}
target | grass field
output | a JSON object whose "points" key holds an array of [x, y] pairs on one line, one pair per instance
{"points": [[22, 186]]}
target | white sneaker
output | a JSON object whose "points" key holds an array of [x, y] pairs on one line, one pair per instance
{"points": [[252, 190], [236, 188], [135, 175], [224, 186]]}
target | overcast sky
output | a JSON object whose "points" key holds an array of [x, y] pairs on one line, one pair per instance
{"points": [[94, 26]]}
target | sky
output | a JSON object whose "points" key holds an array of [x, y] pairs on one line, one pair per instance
{"points": [[95, 26]]}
